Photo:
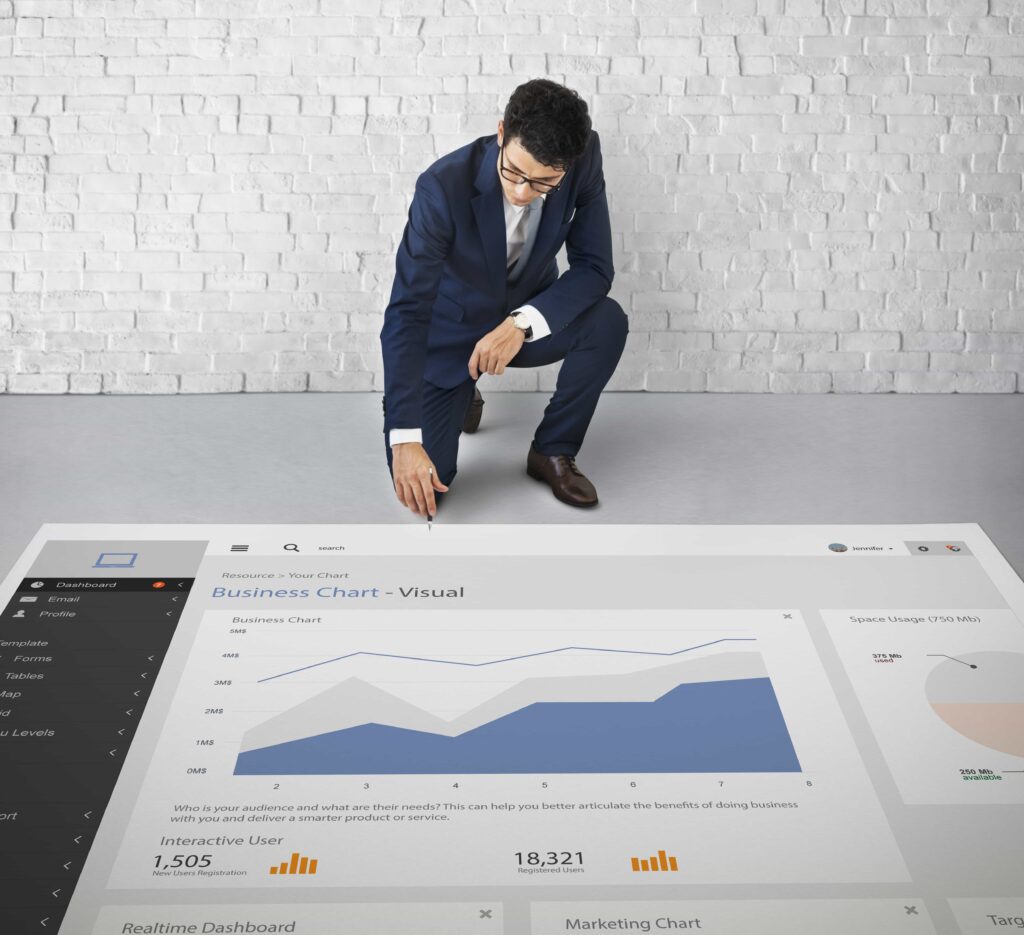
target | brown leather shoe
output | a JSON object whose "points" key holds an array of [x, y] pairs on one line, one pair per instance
{"points": [[476, 408], [567, 481]]}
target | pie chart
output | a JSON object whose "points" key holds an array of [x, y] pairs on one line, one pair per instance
{"points": [[981, 696]]}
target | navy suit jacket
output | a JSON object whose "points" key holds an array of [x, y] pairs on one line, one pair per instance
{"points": [[451, 285]]}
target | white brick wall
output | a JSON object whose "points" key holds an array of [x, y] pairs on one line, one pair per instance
{"points": [[807, 196]]}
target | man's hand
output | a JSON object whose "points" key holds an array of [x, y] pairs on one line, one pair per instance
{"points": [[496, 348], [414, 483]]}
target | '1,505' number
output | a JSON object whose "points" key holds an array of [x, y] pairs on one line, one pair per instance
{"points": [[183, 860]]}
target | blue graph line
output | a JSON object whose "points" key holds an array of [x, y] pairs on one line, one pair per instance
{"points": [[477, 665]]}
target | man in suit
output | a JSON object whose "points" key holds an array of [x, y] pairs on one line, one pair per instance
{"points": [[477, 289]]}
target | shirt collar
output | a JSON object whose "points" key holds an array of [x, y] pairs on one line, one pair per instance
{"points": [[518, 208]]}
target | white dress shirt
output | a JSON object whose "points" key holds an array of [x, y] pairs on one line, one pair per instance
{"points": [[533, 315]]}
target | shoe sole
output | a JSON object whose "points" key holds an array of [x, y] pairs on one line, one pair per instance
{"points": [[472, 424], [536, 475]]}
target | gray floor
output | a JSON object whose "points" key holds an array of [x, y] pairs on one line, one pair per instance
{"points": [[654, 458]]}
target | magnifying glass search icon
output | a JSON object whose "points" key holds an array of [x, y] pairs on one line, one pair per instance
{"points": [[291, 547]]}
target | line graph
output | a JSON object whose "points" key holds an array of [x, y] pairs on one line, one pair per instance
{"points": [[492, 662]]}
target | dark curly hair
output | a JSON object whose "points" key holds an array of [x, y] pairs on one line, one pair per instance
{"points": [[549, 120]]}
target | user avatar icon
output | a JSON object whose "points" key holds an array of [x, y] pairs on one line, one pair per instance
{"points": [[20, 613], [837, 547]]}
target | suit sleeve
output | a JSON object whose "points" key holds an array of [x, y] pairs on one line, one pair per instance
{"points": [[426, 242], [588, 247]]}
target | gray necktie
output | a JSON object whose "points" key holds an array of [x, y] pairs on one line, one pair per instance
{"points": [[517, 239]]}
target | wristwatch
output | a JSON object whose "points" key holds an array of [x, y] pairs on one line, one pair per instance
{"points": [[520, 320]]}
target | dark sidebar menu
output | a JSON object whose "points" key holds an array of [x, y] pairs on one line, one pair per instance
{"points": [[78, 658]]}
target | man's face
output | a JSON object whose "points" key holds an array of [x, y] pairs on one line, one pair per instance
{"points": [[519, 160]]}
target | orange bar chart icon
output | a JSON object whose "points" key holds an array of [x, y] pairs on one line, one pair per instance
{"points": [[298, 864], [655, 863]]}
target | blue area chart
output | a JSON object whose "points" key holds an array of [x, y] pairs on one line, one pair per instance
{"points": [[729, 726]]}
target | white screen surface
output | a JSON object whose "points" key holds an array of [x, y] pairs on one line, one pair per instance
{"points": [[561, 728]]}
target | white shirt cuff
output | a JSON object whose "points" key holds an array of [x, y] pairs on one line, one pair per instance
{"points": [[398, 436], [536, 320]]}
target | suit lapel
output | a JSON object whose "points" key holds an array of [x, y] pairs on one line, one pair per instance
{"points": [[490, 217], [550, 222]]}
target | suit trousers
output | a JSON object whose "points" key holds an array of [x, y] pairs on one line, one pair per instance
{"points": [[590, 348]]}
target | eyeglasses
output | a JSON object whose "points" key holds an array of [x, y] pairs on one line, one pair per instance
{"points": [[516, 178]]}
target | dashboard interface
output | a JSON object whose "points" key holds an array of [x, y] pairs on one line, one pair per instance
{"points": [[511, 730]]}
